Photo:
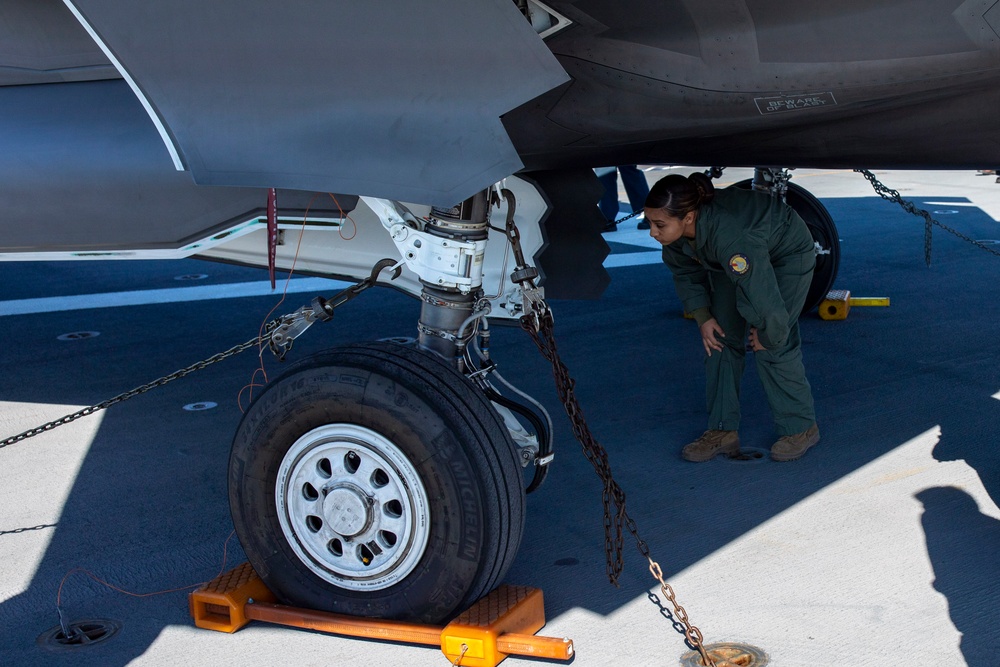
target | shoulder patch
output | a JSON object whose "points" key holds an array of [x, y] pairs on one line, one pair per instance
{"points": [[739, 264]]}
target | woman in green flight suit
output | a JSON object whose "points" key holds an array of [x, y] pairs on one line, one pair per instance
{"points": [[740, 258]]}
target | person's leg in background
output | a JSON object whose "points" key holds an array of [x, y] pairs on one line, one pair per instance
{"points": [[608, 176], [636, 187]]}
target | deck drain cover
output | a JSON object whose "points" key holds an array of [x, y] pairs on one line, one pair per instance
{"points": [[750, 455], [203, 405], [728, 654], [82, 634], [78, 335]]}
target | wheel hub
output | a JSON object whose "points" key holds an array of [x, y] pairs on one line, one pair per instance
{"points": [[352, 507], [348, 510]]}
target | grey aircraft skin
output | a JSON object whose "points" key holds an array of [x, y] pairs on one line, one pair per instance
{"points": [[395, 491], [744, 83], [773, 82]]}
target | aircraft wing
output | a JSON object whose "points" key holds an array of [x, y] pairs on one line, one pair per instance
{"points": [[307, 95], [103, 104]]}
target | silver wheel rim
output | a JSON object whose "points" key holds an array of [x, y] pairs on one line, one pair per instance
{"points": [[352, 507]]}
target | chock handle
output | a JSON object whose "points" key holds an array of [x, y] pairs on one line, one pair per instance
{"points": [[534, 646], [340, 624], [869, 301], [484, 649], [838, 303], [502, 623]]}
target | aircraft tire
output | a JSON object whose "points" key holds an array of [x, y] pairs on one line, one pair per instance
{"points": [[374, 480], [824, 231]]}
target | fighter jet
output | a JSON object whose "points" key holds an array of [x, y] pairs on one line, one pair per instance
{"points": [[453, 144]]}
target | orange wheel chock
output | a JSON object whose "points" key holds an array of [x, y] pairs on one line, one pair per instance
{"points": [[502, 623], [220, 604], [838, 302]]}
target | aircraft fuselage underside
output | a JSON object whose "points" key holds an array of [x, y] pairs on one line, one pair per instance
{"points": [[770, 82]]}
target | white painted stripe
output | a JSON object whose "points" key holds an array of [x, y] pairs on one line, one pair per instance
{"points": [[54, 304], [153, 116], [997, 395], [633, 259], [171, 295]]}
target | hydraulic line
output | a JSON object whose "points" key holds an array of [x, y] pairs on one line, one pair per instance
{"points": [[544, 437], [542, 425], [495, 373]]}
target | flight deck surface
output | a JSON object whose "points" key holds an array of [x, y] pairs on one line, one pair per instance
{"points": [[880, 543]]}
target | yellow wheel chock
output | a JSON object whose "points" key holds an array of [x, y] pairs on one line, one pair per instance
{"points": [[502, 623], [838, 303]]}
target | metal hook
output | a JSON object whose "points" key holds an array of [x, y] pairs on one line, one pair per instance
{"points": [[381, 266]]}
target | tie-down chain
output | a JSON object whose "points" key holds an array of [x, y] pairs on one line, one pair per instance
{"points": [[891, 195], [540, 325], [280, 333]]}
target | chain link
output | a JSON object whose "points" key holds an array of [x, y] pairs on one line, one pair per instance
{"points": [[291, 325], [891, 195], [629, 216], [539, 323], [40, 526], [540, 326], [221, 356]]}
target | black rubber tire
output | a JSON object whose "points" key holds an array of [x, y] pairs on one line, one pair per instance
{"points": [[823, 230], [449, 433]]}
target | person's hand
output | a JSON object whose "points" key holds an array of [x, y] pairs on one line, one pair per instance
{"points": [[754, 341], [709, 330]]}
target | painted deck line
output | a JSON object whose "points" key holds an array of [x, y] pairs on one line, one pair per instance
{"points": [[172, 295]]}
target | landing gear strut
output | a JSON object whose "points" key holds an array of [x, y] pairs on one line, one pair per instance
{"points": [[377, 479]]}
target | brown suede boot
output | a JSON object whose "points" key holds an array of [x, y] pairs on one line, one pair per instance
{"points": [[710, 444], [791, 447]]}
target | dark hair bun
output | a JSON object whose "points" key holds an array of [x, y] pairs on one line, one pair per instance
{"points": [[703, 184], [678, 194]]}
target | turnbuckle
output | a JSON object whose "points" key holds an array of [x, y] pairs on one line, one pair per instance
{"points": [[533, 308], [321, 310], [536, 308]]}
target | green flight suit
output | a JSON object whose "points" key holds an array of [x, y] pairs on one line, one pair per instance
{"points": [[751, 263]]}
